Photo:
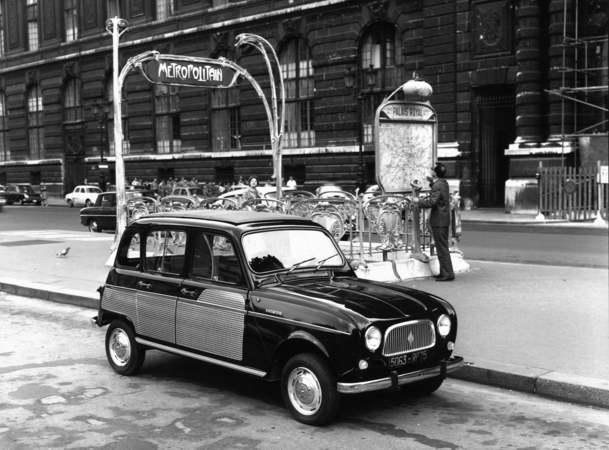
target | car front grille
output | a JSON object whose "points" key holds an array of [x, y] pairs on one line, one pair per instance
{"points": [[409, 337]]}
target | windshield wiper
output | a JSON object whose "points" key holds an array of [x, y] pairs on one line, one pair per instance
{"points": [[298, 264], [323, 261]]}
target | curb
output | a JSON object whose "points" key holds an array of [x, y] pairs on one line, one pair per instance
{"points": [[555, 385]]}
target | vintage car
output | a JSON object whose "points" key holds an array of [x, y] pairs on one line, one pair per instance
{"points": [[272, 296], [102, 215], [84, 195], [20, 193]]}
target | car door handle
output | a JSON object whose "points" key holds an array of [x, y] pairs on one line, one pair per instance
{"points": [[144, 285], [190, 293]]}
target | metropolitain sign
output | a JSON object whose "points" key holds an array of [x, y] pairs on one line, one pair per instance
{"points": [[195, 72]]}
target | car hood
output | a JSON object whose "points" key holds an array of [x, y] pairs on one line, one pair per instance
{"points": [[362, 299]]}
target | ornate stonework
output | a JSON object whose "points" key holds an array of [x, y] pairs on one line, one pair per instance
{"points": [[492, 28], [90, 14], [378, 11], [50, 28], [292, 27]]}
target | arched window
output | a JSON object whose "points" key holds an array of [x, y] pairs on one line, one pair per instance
{"points": [[377, 53], [297, 70], [226, 115], [5, 152], [167, 110], [110, 120], [72, 104]]}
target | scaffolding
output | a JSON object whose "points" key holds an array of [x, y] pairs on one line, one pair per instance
{"points": [[583, 82]]}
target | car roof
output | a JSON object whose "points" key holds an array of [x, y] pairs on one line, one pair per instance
{"points": [[236, 218]]}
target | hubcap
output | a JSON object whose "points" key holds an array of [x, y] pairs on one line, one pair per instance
{"points": [[304, 391], [120, 347]]}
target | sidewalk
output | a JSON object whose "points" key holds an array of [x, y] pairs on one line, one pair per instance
{"points": [[542, 330]]}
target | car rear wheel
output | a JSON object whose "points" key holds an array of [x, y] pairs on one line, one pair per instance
{"points": [[88, 203], [124, 354], [94, 227], [70, 203], [308, 386]]}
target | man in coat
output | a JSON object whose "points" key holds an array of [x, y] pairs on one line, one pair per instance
{"points": [[439, 219]]}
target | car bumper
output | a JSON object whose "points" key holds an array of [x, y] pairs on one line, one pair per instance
{"points": [[445, 367]]}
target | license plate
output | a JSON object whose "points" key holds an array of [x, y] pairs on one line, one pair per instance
{"points": [[410, 358]]}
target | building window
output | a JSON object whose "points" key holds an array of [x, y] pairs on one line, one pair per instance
{"points": [[72, 105], [32, 24], [1, 28], [70, 20], [35, 123], [5, 152], [297, 69], [167, 119], [164, 9], [226, 119], [110, 120]]}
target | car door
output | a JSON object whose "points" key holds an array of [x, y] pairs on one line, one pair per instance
{"points": [[105, 210], [158, 286], [213, 301]]}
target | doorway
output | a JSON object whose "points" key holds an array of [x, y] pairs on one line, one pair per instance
{"points": [[496, 130]]}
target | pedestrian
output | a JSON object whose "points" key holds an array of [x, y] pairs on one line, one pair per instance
{"points": [[292, 183], [154, 186], [439, 219], [43, 194], [252, 189]]}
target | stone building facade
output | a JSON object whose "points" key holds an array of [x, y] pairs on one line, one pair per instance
{"points": [[490, 63]]}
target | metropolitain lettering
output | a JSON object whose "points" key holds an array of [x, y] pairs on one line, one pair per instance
{"points": [[190, 72]]}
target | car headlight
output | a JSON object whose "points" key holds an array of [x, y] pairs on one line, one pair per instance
{"points": [[373, 338], [444, 325]]}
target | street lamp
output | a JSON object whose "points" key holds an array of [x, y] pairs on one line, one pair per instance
{"points": [[370, 81], [100, 112]]}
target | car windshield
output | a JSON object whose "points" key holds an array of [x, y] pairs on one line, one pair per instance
{"points": [[274, 250]]}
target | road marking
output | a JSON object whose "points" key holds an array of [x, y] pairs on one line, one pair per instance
{"points": [[59, 234]]}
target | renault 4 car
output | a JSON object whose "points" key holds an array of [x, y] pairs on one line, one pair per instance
{"points": [[273, 296]]}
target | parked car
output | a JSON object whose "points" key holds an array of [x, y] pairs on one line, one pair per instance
{"points": [[83, 196], [272, 296], [20, 193], [333, 191], [102, 216]]}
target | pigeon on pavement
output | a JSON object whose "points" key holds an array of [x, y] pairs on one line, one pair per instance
{"points": [[63, 252]]}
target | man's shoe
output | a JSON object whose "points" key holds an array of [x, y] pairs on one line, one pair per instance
{"points": [[445, 279]]}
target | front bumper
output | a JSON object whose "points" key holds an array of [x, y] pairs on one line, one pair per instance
{"points": [[445, 367]]}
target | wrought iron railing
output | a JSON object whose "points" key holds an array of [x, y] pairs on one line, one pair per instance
{"points": [[366, 226]]}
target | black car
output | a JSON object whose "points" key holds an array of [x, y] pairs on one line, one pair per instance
{"points": [[273, 296], [102, 216], [21, 193]]}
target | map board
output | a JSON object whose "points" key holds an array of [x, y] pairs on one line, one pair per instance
{"points": [[406, 141]]}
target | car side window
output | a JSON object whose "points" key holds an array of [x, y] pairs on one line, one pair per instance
{"points": [[129, 252], [214, 259], [165, 251]]}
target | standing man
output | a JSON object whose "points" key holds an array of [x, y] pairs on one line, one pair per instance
{"points": [[439, 219]]}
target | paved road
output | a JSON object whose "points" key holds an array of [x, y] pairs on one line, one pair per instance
{"points": [[557, 246], [57, 392]]}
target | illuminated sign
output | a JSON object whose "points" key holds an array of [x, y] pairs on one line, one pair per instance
{"points": [[189, 73]]}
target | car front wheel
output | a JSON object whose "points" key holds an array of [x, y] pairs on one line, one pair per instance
{"points": [[124, 354], [308, 386], [94, 227], [70, 203], [22, 202]]}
